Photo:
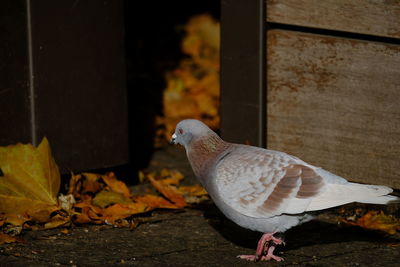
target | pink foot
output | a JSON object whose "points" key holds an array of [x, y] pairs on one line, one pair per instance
{"points": [[265, 249], [270, 255], [262, 258], [248, 257]]}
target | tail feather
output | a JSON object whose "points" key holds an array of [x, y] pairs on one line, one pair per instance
{"points": [[340, 194], [388, 199]]}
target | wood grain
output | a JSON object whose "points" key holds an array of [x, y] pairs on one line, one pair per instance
{"points": [[336, 104], [377, 17]]}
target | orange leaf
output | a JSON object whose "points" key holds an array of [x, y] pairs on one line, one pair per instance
{"points": [[116, 185], [88, 213], [170, 192], [194, 190], [377, 220], [83, 216], [56, 222], [64, 231], [156, 202], [16, 219], [121, 211], [170, 177], [82, 184], [5, 239], [106, 198], [91, 183], [41, 215]]}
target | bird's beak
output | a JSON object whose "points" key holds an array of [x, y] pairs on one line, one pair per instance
{"points": [[173, 139]]}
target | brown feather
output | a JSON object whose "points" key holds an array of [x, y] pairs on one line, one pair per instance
{"points": [[204, 151], [311, 184]]}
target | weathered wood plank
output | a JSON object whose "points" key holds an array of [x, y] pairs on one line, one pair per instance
{"points": [[378, 17], [335, 103], [242, 71]]}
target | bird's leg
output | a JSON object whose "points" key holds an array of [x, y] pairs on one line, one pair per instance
{"points": [[265, 248], [270, 254]]}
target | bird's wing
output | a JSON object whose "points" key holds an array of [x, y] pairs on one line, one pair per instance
{"points": [[264, 183]]}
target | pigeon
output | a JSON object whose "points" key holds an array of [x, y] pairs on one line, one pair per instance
{"points": [[265, 190]]}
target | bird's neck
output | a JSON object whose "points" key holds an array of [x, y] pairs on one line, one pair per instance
{"points": [[203, 152]]}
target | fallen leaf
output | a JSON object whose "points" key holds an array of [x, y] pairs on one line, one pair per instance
{"points": [[30, 180], [192, 89], [106, 198], [193, 194], [41, 215], [156, 202], [85, 184], [65, 231], [121, 211], [12, 223], [116, 185], [5, 239], [170, 177], [86, 212], [194, 190], [57, 222], [170, 192], [377, 220]]}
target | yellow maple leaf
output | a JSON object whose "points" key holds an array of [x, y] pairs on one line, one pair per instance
{"points": [[31, 179]]}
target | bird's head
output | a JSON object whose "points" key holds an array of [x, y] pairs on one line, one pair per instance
{"points": [[188, 130]]}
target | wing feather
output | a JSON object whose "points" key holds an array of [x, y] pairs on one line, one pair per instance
{"points": [[264, 183]]}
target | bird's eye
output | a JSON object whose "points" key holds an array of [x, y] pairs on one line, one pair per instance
{"points": [[180, 131]]}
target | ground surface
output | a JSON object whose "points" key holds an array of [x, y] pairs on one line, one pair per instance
{"points": [[198, 236]]}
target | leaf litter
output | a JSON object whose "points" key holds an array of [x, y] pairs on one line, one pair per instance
{"points": [[30, 199], [192, 89]]}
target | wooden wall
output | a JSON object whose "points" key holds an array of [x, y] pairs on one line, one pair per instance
{"points": [[378, 17], [63, 76], [334, 100]]}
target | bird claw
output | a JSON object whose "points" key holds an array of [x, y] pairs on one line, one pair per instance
{"points": [[265, 249], [269, 257], [262, 258], [277, 241], [248, 257]]}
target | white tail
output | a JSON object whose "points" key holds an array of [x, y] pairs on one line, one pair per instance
{"points": [[380, 200], [340, 194]]}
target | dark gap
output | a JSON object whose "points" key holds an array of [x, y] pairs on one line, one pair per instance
{"points": [[335, 33], [153, 34], [1, 172]]}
